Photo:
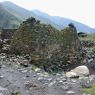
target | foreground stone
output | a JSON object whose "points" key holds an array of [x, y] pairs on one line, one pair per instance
{"points": [[4, 91], [71, 74], [78, 72], [71, 93]]}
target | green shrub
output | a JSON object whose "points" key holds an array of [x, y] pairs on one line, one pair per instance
{"points": [[90, 90]]}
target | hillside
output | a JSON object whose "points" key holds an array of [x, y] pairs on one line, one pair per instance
{"points": [[8, 20], [23, 14], [17, 10], [61, 22], [55, 21]]}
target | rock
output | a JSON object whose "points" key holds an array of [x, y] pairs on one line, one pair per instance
{"points": [[34, 75], [1, 77], [78, 71], [31, 86], [81, 70], [24, 71], [37, 69], [85, 82], [91, 60], [2, 89], [70, 93], [24, 63], [49, 79], [61, 77], [74, 80], [52, 83], [65, 87], [40, 78], [44, 74], [71, 75], [15, 60], [1, 94], [92, 78], [86, 85], [88, 43]]}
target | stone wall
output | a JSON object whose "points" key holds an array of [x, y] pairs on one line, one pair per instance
{"points": [[7, 33]]}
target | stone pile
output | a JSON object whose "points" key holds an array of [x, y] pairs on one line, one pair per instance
{"points": [[88, 43]]}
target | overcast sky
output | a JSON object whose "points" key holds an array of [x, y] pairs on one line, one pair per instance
{"points": [[79, 10]]}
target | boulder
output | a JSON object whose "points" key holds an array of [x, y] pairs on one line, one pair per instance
{"points": [[81, 70], [78, 71], [71, 75]]}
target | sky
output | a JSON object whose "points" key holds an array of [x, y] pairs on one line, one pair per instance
{"points": [[79, 10]]}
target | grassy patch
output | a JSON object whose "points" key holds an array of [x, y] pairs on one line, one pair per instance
{"points": [[88, 37], [90, 90]]}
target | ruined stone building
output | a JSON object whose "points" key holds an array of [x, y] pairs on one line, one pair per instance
{"points": [[7, 33]]}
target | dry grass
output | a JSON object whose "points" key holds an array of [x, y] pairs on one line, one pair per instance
{"points": [[88, 37]]}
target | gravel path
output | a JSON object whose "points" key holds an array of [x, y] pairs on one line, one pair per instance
{"points": [[17, 80]]}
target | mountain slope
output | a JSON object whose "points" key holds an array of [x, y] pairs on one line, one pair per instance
{"points": [[62, 22], [23, 14], [17, 10], [8, 20], [58, 22]]}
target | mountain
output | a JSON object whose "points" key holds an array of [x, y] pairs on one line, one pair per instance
{"points": [[11, 15], [17, 10], [21, 14], [62, 22], [8, 20], [24, 14]]}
